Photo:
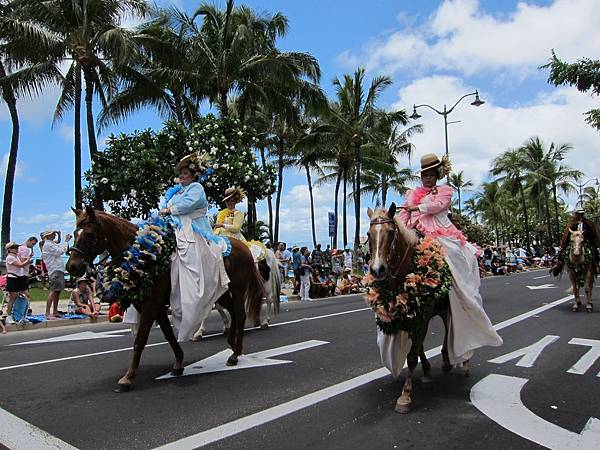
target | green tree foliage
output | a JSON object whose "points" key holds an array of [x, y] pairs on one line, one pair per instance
{"points": [[135, 169], [584, 75], [478, 234]]}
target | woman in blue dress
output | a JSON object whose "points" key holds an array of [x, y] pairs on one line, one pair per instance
{"points": [[198, 276]]}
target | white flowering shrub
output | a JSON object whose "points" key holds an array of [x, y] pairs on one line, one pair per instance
{"points": [[135, 169]]}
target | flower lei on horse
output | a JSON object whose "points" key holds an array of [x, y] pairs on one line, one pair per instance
{"points": [[580, 271], [130, 279], [428, 281]]}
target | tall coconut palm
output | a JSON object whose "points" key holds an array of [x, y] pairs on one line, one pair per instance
{"points": [[355, 119], [511, 166], [27, 66], [472, 209], [489, 203], [460, 184]]}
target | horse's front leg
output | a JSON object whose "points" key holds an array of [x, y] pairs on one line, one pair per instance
{"points": [[165, 326], [147, 317], [426, 379], [446, 366], [589, 287], [238, 320], [404, 402]]}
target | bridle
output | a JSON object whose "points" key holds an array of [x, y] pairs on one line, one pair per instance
{"points": [[382, 221], [87, 259]]}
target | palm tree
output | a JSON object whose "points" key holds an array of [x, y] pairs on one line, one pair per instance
{"points": [[457, 182], [354, 119], [489, 203], [511, 164], [471, 209], [26, 68]]}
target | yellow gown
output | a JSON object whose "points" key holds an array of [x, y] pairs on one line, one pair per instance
{"points": [[233, 220]]}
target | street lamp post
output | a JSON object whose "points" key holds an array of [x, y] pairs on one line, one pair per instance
{"points": [[445, 112], [581, 186]]}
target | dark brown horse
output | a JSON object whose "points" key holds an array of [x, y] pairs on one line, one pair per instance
{"points": [[391, 246], [582, 271], [98, 232]]}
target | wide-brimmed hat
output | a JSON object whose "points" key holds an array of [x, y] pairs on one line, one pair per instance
{"points": [[236, 194], [580, 211], [45, 234], [347, 269], [10, 245], [196, 162], [431, 161], [295, 246], [83, 278]]}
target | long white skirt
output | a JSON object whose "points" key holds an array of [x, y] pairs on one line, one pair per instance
{"points": [[198, 279], [469, 325]]}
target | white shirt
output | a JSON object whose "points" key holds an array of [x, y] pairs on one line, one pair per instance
{"points": [[347, 259], [52, 256], [11, 269]]}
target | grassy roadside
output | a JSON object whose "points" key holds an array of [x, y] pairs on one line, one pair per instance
{"points": [[39, 293]]}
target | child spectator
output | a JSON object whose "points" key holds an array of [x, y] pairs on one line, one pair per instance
{"points": [[115, 313], [82, 297]]}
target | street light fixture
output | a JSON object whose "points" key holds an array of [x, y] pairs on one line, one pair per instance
{"points": [[445, 112], [581, 186]]}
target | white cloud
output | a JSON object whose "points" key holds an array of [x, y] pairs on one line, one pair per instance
{"points": [[487, 131], [461, 36], [67, 132], [20, 170], [38, 219]]}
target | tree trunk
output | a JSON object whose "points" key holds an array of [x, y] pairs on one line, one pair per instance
{"points": [[556, 224], [89, 96], [263, 160], [251, 217], [77, 136], [223, 103], [344, 212], [335, 208], [357, 198], [178, 108], [384, 189], [459, 208], [525, 214], [11, 103], [548, 220], [279, 187], [312, 205]]}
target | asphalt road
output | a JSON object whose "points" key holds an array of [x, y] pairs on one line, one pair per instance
{"points": [[332, 392]]}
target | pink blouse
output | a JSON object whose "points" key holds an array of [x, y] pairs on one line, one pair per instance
{"points": [[432, 217]]}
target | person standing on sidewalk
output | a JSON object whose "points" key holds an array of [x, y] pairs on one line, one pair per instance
{"points": [[296, 267], [17, 277], [304, 275], [52, 251]]}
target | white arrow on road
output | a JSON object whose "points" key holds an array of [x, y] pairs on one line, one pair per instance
{"points": [[216, 363], [542, 286], [84, 335], [499, 398]]}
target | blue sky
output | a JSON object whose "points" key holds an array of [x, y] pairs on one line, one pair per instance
{"points": [[434, 51]]}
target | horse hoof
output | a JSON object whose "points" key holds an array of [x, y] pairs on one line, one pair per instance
{"points": [[197, 338], [177, 372], [589, 308], [446, 368], [264, 326], [575, 308], [121, 388], [426, 383], [402, 408], [232, 361], [225, 331]]}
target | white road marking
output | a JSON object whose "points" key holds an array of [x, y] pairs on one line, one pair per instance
{"points": [[542, 286], [84, 335], [587, 360], [543, 276], [107, 352], [260, 418], [17, 434], [529, 354], [499, 398], [216, 363]]}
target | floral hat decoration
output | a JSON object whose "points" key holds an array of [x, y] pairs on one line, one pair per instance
{"points": [[196, 162], [233, 193]]}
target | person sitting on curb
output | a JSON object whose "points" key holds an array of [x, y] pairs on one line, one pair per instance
{"points": [[346, 284], [82, 297]]}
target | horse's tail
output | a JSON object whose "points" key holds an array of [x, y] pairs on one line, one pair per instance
{"points": [[254, 295]]}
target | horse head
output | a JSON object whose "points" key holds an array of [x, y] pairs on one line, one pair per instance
{"points": [[577, 239], [88, 241]]}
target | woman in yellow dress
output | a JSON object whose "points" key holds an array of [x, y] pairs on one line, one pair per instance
{"points": [[230, 220]]}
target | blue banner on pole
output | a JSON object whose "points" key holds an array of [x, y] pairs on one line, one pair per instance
{"points": [[331, 224]]}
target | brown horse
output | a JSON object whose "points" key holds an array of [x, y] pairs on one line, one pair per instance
{"points": [[98, 232], [391, 246], [581, 272]]}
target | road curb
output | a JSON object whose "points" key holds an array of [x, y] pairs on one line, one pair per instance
{"points": [[54, 323]]}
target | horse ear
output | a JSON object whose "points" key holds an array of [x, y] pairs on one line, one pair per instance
{"points": [[392, 210], [369, 212], [76, 211], [571, 231], [90, 211]]}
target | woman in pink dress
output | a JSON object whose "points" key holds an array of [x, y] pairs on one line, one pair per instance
{"points": [[426, 210]]}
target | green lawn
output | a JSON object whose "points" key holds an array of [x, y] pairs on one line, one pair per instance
{"points": [[39, 293]]}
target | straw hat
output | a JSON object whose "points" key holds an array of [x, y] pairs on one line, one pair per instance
{"points": [[10, 245], [431, 161], [236, 194], [580, 211], [196, 162], [45, 234], [83, 278]]}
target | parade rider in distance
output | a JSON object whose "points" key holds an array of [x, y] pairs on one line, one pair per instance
{"points": [[578, 223], [229, 220]]}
